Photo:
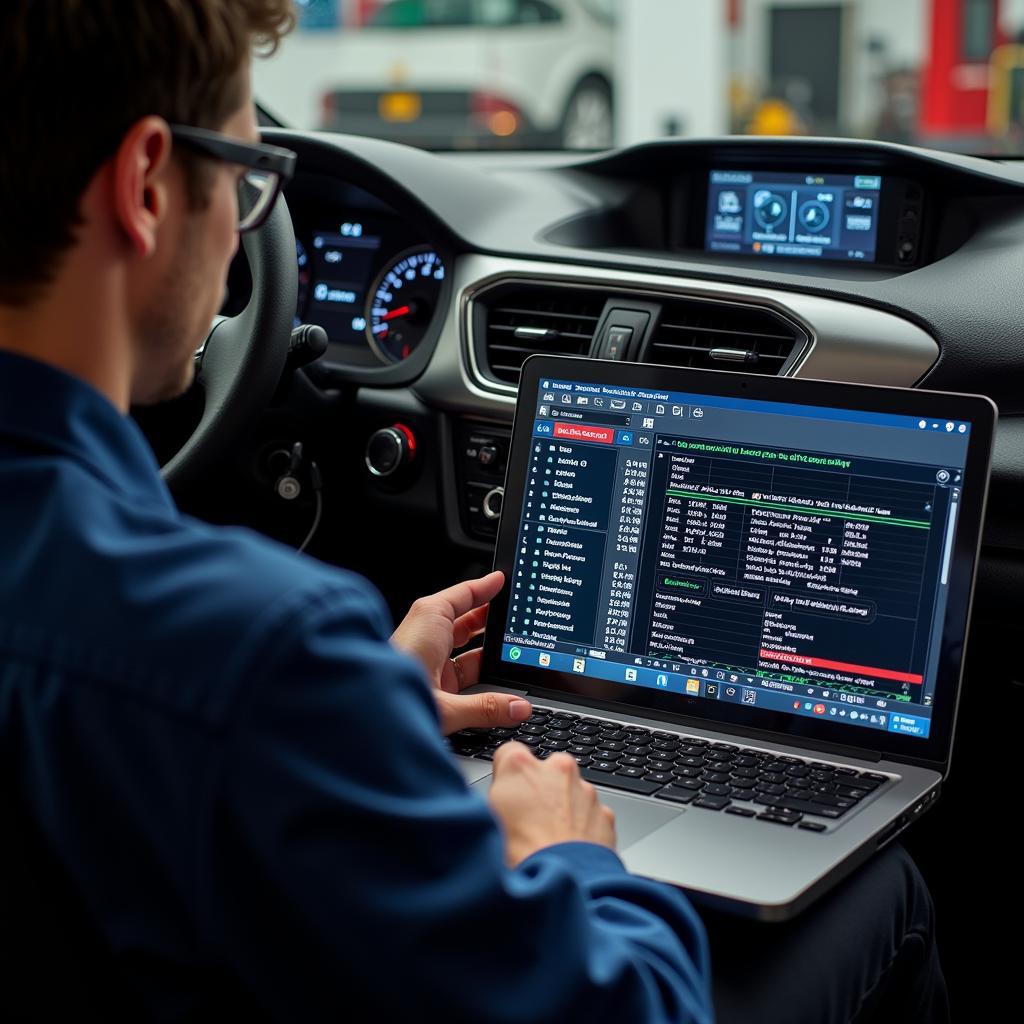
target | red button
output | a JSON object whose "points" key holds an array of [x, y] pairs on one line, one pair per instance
{"points": [[573, 432]]}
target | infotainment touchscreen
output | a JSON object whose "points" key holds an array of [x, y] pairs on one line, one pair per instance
{"points": [[816, 216]]}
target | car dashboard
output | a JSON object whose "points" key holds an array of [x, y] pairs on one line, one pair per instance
{"points": [[435, 276]]}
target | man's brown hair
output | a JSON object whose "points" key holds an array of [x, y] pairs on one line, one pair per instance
{"points": [[76, 74]]}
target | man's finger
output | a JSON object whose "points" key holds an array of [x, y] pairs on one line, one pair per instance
{"points": [[464, 597], [481, 710], [469, 625], [509, 754]]}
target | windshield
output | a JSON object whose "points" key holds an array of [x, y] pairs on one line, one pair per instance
{"points": [[589, 74]]}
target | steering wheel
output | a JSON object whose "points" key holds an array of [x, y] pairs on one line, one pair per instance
{"points": [[240, 364]]}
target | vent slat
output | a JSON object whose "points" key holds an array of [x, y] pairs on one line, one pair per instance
{"points": [[570, 317], [689, 329]]}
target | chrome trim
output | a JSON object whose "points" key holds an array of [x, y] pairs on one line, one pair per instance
{"points": [[847, 342]]}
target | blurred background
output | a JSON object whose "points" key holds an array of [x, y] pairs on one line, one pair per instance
{"points": [[588, 74]]}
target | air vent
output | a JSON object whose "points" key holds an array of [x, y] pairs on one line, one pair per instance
{"points": [[520, 319], [712, 335]]}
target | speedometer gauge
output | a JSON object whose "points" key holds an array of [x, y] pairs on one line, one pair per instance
{"points": [[402, 303]]}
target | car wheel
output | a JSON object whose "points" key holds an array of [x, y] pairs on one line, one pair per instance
{"points": [[587, 122]]}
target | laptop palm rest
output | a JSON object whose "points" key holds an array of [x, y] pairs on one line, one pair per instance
{"points": [[634, 818]]}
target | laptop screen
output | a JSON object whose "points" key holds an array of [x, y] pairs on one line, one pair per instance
{"points": [[789, 558]]}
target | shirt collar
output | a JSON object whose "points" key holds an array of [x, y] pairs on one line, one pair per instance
{"points": [[44, 407]]}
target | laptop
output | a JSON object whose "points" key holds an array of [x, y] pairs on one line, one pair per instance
{"points": [[741, 603]]}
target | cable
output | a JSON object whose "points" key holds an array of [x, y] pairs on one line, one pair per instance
{"points": [[317, 481]]}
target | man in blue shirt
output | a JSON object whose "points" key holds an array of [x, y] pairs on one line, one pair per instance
{"points": [[242, 779]]}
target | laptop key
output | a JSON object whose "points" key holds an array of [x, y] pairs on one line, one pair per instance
{"points": [[616, 781], [712, 803], [659, 766], [603, 754], [633, 773], [811, 826], [804, 806], [694, 784], [779, 819], [853, 792], [634, 749], [677, 795], [743, 812], [632, 761], [714, 789], [715, 777], [603, 766], [871, 779], [687, 772], [660, 777], [832, 801]]}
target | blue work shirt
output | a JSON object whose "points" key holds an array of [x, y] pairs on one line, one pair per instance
{"points": [[243, 778]]}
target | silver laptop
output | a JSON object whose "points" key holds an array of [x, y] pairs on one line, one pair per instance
{"points": [[741, 603]]}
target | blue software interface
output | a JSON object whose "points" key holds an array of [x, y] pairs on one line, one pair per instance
{"points": [[790, 558], [816, 216]]}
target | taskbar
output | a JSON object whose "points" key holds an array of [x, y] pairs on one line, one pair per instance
{"points": [[751, 691]]}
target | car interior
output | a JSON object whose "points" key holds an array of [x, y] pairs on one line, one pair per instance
{"points": [[357, 396]]}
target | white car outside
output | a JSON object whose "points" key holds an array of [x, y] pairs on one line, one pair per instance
{"points": [[478, 73]]}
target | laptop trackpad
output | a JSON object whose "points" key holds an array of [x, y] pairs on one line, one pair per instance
{"points": [[635, 819]]}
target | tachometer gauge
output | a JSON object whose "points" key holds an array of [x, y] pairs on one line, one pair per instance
{"points": [[402, 303]]}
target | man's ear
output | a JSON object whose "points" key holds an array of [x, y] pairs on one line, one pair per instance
{"points": [[140, 180]]}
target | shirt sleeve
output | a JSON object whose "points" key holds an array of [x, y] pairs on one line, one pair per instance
{"points": [[344, 862]]}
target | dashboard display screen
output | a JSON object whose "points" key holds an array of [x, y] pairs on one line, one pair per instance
{"points": [[340, 264], [815, 216]]}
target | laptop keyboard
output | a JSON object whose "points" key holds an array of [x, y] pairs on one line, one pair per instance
{"points": [[688, 770]]}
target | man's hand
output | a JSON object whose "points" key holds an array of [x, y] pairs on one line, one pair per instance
{"points": [[440, 623], [540, 803]]}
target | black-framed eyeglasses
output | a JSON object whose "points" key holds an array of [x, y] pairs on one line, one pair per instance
{"points": [[268, 169]]}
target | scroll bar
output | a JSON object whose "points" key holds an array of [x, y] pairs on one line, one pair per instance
{"points": [[950, 528]]}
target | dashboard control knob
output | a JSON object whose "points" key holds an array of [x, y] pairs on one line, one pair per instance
{"points": [[389, 450], [488, 454], [492, 502]]}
